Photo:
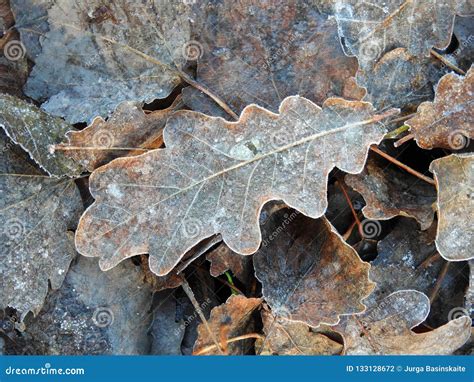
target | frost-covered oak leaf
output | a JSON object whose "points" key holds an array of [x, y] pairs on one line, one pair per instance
{"points": [[215, 176]]}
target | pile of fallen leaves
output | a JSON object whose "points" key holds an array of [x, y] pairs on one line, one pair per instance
{"points": [[236, 177]]}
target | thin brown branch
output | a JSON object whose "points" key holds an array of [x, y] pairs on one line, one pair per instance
{"points": [[189, 292], [349, 202], [406, 138], [209, 348], [446, 62], [439, 281], [375, 149]]}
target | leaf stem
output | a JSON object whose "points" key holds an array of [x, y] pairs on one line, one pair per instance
{"points": [[207, 349], [447, 63]]}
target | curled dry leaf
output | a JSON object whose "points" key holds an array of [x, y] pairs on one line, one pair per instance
{"points": [[385, 328], [454, 176], [448, 121], [129, 131], [233, 319], [214, 177], [284, 337], [253, 52], [389, 192], [223, 259], [308, 273], [36, 213], [93, 313], [35, 131], [105, 54], [368, 30]]}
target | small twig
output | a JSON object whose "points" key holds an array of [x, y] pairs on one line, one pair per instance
{"points": [[209, 348], [348, 233], [375, 149], [401, 119], [446, 62], [406, 138], [235, 290], [349, 202], [429, 260], [189, 292], [439, 281], [206, 91]]}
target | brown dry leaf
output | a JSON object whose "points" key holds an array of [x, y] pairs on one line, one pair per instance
{"points": [[284, 337], [36, 213], [128, 131], [385, 328], [254, 52], [454, 176], [36, 132], [448, 121], [214, 177], [390, 192], [369, 30], [230, 320], [308, 273], [104, 54], [223, 259]]}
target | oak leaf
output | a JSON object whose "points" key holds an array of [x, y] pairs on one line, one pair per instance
{"points": [[454, 176], [214, 177], [448, 121]]}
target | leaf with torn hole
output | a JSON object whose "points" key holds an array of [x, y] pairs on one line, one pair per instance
{"points": [[227, 323], [407, 259], [389, 192], [129, 131], [448, 121], [308, 273], [36, 213], [369, 30], [284, 337], [36, 132], [254, 52], [93, 313], [454, 176], [385, 328], [214, 177], [107, 54]]}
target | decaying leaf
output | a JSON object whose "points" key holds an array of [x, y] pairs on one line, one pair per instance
{"points": [[223, 259], [105, 54], [230, 320], [369, 29], [389, 192], [253, 52], [94, 312], [308, 273], [166, 330], [454, 176], [36, 213], [129, 131], [284, 337], [35, 131], [214, 177], [448, 121], [407, 259], [385, 328]]}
